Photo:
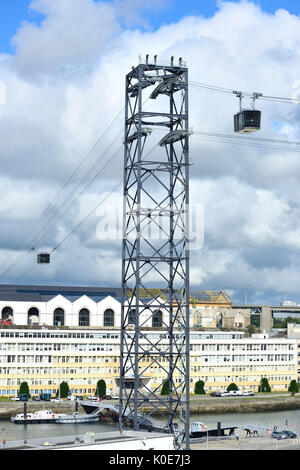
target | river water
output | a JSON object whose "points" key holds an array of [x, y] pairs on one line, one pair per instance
{"points": [[281, 419]]}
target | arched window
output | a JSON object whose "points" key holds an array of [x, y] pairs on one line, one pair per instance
{"points": [[33, 316], [157, 319], [59, 317], [7, 313], [109, 317], [84, 317], [131, 317]]}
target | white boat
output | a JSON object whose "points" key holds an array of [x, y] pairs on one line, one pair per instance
{"points": [[77, 418], [41, 416]]}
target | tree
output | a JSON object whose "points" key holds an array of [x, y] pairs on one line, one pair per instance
{"points": [[293, 387], [101, 388], [199, 388], [232, 387], [264, 386], [251, 329], [24, 389], [165, 388], [64, 390]]}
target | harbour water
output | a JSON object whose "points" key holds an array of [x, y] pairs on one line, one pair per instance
{"points": [[281, 419], [15, 432]]}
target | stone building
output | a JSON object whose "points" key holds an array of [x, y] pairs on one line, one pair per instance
{"points": [[213, 309]]}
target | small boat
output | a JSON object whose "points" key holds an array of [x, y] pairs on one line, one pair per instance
{"points": [[41, 416], [200, 430], [77, 418]]}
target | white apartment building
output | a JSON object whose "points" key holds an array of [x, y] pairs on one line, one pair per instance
{"points": [[44, 357]]}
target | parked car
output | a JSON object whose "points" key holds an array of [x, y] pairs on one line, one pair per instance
{"points": [[56, 400], [23, 397], [71, 397], [115, 397], [79, 397], [92, 398], [248, 394], [15, 398], [235, 393], [45, 396], [290, 434], [214, 394], [36, 398], [279, 435]]}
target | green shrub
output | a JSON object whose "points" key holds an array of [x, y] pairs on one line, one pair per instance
{"points": [[24, 389], [232, 387], [165, 388], [101, 388], [199, 388], [64, 390], [293, 387], [264, 386]]}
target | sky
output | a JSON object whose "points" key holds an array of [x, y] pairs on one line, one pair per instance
{"points": [[63, 64], [13, 14]]}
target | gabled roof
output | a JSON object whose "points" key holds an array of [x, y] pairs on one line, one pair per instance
{"points": [[210, 296], [46, 293], [148, 293]]}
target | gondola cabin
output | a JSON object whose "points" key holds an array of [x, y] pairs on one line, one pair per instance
{"points": [[43, 258], [247, 121]]}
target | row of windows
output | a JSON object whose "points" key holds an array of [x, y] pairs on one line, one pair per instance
{"points": [[243, 347], [59, 316], [84, 317]]}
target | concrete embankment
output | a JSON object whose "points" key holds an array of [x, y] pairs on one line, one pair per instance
{"points": [[242, 405], [246, 405], [198, 405]]}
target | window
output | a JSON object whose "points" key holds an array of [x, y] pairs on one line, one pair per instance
{"points": [[7, 313], [84, 317], [157, 319], [131, 317], [59, 317], [33, 316], [109, 319]]}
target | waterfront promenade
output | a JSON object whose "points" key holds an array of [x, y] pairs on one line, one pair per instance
{"points": [[249, 444]]}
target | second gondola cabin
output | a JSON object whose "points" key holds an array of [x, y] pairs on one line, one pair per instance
{"points": [[247, 121], [43, 258]]}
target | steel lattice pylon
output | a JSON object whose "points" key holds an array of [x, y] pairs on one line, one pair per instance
{"points": [[155, 256]]}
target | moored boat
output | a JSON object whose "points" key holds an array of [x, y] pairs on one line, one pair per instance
{"points": [[41, 416], [200, 430], [77, 418]]}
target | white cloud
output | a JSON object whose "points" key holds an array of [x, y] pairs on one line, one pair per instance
{"points": [[70, 38]]}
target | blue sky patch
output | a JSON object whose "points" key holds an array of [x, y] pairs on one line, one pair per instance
{"points": [[13, 13]]}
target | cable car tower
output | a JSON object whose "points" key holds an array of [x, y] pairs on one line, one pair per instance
{"points": [[155, 268]]}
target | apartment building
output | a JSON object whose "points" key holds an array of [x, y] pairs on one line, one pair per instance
{"points": [[72, 334], [44, 357]]}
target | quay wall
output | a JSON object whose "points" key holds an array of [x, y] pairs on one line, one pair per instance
{"points": [[199, 405], [245, 406], [248, 405]]}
